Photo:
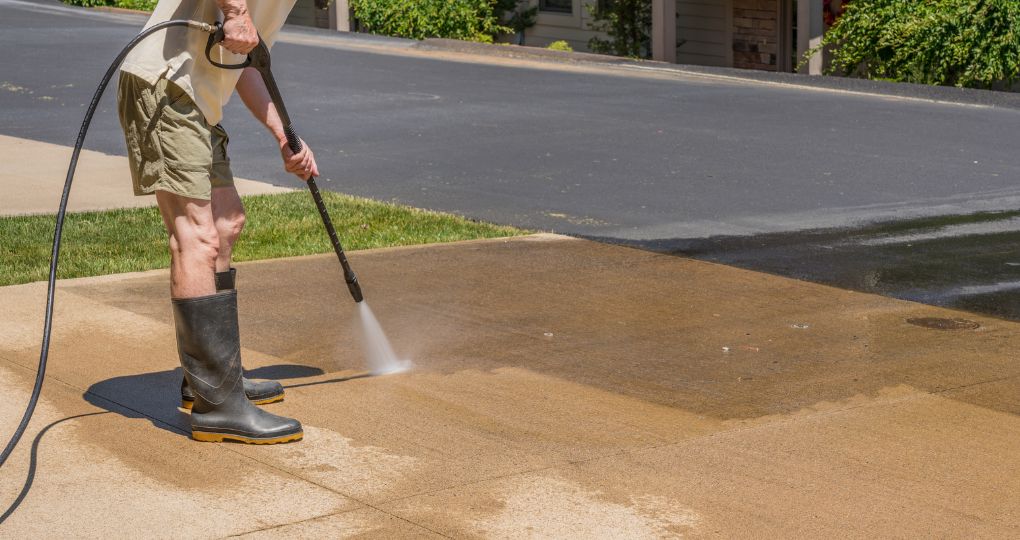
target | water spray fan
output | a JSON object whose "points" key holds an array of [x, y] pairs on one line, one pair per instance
{"points": [[259, 60]]}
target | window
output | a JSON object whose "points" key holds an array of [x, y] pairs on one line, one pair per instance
{"points": [[556, 6]]}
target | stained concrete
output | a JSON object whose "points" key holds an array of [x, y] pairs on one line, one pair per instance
{"points": [[562, 388], [33, 174]]}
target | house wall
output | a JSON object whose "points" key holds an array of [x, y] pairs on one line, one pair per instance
{"points": [[306, 14], [756, 34], [738, 33], [704, 28], [574, 28]]}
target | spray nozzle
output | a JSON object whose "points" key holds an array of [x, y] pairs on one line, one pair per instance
{"points": [[354, 287]]}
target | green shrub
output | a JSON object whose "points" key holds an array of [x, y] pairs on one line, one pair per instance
{"points": [[514, 15], [972, 43], [89, 3], [560, 46], [472, 20], [627, 23], [144, 5]]}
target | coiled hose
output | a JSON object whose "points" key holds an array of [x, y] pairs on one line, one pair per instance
{"points": [[59, 229]]}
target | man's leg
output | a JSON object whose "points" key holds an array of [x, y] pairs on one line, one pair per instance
{"points": [[194, 244], [208, 339], [228, 214], [172, 163]]}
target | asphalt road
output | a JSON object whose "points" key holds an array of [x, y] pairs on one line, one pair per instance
{"points": [[683, 163]]}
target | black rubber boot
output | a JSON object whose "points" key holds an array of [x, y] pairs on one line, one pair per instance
{"points": [[226, 280], [209, 345], [259, 392]]}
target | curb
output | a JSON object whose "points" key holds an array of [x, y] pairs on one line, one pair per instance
{"points": [[938, 94], [126, 11], [532, 53]]}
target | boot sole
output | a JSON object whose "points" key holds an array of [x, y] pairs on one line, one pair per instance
{"points": [[187, 405], [206, 436]]}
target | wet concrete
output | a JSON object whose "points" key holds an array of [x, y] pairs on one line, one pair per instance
{"points": [[562, 388], [969, 262]]}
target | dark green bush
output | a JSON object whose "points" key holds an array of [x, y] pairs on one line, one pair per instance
{"points": [[473, 20], [972, 43], [627, 23], [145, 5], [514, 15]]}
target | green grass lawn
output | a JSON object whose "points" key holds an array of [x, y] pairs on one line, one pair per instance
{"points": [[130, 240]]}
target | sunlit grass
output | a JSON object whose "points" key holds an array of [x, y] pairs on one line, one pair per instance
{"points": [[283, 225]]}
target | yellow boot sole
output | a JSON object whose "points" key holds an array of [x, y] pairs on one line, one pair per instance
{"points": [[205, 436], [187, 405]]}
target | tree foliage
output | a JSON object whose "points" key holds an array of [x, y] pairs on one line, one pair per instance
{"points": [[971, 43], [627, 23], [514, 15], [144, 5], [473, 20]]}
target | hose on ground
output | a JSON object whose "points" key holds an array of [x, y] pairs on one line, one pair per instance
{"points": [[62, 211]]}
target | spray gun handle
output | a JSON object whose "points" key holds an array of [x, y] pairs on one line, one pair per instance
{"points": [[217, 36]]}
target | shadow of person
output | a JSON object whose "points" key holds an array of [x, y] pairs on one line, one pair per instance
{"points": [[283, 371], [152, 396], [156, 396]]}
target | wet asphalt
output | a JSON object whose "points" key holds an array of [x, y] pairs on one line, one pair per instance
{"points": [[968, 262], [903, 197]]}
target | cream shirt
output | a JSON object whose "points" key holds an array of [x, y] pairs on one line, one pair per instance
{"points": [[179, 52]]}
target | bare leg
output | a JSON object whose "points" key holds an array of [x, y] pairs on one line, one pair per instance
{"points": [[228, 213], [194, 244]]}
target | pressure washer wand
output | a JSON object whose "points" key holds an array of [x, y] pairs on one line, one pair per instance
{"points": [[349, 276], [259, 59]]}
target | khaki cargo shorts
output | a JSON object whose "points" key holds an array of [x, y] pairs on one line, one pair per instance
{"points": [[170, 145]]}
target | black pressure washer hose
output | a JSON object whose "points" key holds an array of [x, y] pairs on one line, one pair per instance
{"points": [[258, 59]]}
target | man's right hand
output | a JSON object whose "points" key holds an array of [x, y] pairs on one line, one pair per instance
{"points": [[302, 163], [239, 32]]}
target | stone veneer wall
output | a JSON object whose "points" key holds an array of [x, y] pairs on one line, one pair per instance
{"points": [[754, 34], [309, 13]]}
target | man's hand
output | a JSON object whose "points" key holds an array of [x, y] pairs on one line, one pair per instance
{"points": [[239, 32], [302, 163]]}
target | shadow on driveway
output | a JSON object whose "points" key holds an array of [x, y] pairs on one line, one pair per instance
{"points": [[156, 396]]}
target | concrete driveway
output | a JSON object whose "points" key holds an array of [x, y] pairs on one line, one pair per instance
{"points": [[562, 389]]}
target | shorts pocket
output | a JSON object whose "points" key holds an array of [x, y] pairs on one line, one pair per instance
{"points": [[174, 94], [136, 107], [185, 139]]}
